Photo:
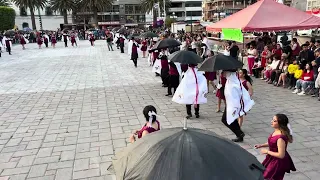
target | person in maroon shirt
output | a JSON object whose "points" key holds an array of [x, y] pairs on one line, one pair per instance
{"points": [[173, 78], [164, 68], [277, 51], [121, 44], [306, 80]]}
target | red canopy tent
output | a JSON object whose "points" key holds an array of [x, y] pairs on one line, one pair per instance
{"points": [[266, 16]]}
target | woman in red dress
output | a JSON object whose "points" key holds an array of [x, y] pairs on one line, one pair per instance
{"points": [[39, 41], [151, 125], [278, 161], [144, 44], [264, 56], [22, 41], [91, 39], [73, 40], [220, 91], [53, 40]]}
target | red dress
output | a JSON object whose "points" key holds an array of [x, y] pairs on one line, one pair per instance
{"points": [[73, 39], [53, 40], [144, 45], [149, 129], [39, 41], [264, 59], [275, 167], [22, 40], [220, 92]]}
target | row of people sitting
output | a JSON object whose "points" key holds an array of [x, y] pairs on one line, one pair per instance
{"points": [[302, 77]]}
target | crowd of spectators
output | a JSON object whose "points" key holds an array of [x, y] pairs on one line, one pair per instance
{"points": [[292, 66]]}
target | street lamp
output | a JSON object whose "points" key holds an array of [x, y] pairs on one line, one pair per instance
{"points": [[173, 16]]}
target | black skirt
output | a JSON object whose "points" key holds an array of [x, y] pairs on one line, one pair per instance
{"points": [[134, 56], [174, 80]]}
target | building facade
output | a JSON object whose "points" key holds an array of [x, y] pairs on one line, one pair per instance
{"points": [[122, 12], [214, 10], [186, 10], [50, 20]]}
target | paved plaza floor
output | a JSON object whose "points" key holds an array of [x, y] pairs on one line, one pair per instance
{"points": [[64, 112]]}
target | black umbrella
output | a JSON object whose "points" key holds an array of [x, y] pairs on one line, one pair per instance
{"points": [[220, 62], [192, 154], [149, 34], [166, 43], [133, 35], [122, 30], [185, 57]]}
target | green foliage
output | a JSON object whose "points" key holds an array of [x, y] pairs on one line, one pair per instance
{"points": [[169, 21], [95, 4], [30, 3], [148, 5], [61, 5], [4, 3], [7, 18]]}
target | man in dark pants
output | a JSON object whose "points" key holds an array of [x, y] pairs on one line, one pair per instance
{"points": [[234, 127], [238, 102], [65, 39], [8, 44], [196, 109]]}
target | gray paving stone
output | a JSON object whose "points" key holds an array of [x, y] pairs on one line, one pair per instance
{"points": [[86, 173], [81, 164], [37, 170], [64, 174]]}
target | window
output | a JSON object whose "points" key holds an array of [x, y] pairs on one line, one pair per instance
{"points": [[312, 4], [116, 18], [25, 25], [129, 9], [194, 13], [141, 18], [23, 11], [137, 10], [176, 5], [193, 4], [115, 8], [48, 11]]}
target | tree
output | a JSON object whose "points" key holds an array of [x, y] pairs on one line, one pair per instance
{"points": [[95, 6], [169, 21], [7, 18], [4, 3], [63, 6], [149, 5], [32, 5]]}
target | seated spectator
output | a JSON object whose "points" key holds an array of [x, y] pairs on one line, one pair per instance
{"points": [[305, 81], [306, 56], [276, 73], [257, 68], [267, 68], [283, 75], [292, 68], [274, 67], [151, 125]]}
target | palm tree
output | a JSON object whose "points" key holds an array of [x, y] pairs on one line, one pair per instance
{"points": [[32, 5], [4, 3], [149, 5], [63, 6], [95, 6]]}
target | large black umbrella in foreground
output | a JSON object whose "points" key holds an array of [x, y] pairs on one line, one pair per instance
{"points": [[192, 154], [220, 62], [166, 43], [185, 57]]}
